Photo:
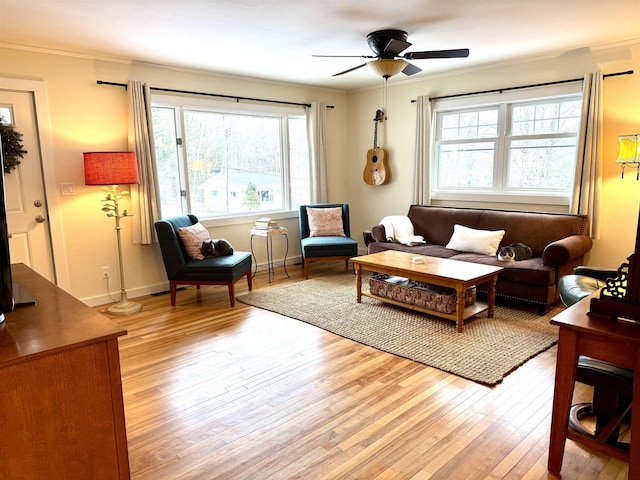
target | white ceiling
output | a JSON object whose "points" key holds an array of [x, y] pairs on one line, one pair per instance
{"points": [[275, 39]]}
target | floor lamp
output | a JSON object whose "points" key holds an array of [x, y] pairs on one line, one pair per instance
{"points": [[114, 168]]}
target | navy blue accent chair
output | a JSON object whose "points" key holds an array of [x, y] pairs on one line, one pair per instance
{"points": [[322, 249], [184, 270]]}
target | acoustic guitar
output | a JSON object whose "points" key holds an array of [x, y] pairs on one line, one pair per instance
{"points": [[375, 171]]}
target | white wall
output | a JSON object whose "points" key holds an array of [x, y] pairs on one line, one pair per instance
{"points": [[620, 198], [85, 116]]}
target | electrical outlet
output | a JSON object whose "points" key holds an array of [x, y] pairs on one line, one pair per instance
{"points": [[105, 272]]}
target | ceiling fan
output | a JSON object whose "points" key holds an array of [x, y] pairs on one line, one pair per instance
{"points": [[388, 46]]}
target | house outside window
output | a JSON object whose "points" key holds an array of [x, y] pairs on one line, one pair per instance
{"points": [[217, 160], [515, 147]]}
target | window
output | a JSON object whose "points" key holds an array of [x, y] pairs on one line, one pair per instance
{"points": [[216, 160], [517, 147]]}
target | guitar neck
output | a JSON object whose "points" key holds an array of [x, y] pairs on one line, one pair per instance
{"points": [[375, 138]]}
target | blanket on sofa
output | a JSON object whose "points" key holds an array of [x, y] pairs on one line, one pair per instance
{"points": [[399, 229]]}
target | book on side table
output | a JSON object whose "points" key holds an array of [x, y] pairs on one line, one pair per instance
{"points": [[266, 224]]}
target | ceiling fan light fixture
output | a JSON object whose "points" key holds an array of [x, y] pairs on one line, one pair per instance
{"points": [[387, 67]]}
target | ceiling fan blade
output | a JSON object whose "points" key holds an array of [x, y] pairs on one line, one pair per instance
{"points": [[345, 56], [411, 69], [350, 70], [395, 46], [459, 53]]}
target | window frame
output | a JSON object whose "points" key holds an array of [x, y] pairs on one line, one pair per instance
{"points": [[180, 103], [502, 101]]}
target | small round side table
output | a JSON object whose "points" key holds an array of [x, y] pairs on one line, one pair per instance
{"points": [[268, 234]]}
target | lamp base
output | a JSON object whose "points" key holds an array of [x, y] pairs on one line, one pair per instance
{"points": [[124, 307]]}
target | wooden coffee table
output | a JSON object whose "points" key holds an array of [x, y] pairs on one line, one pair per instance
{"points": [[437, 271]]}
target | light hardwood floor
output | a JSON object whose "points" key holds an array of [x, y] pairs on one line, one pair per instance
{"points": [[213, 392]]}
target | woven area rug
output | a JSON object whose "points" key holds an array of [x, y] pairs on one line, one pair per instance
{"points": [[487, 350]]}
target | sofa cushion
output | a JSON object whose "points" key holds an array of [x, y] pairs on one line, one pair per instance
{"points": [[328, 246], [531, 271], [429, 250], [472, 240], [226, 268]]}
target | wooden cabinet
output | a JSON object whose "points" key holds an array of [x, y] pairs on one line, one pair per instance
{"points": [[61, 407]]}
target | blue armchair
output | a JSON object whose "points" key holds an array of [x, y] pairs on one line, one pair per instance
{"points": [[184, 270], [326, 247]]}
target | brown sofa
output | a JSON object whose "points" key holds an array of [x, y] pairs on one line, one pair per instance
{"points": [[558, 243]]}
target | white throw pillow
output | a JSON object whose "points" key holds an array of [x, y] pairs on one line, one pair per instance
{"points": [[467, 239], [325, 222], [192, 237]]}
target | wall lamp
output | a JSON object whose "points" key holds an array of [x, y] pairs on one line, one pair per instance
{"points": [[629, 152]]}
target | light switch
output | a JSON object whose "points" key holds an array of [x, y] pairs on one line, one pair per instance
{"points": [[67, 189]]}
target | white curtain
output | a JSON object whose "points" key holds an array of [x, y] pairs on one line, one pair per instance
{"points": [[421, 185], [588, 177], [144, 197], [317, 133]]}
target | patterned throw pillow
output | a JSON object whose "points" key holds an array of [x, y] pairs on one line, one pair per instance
{"points": [[325, 222], [192, 237]]}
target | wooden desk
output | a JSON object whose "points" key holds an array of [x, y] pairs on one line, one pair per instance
{"points": [[616, 342], [61, 408]]}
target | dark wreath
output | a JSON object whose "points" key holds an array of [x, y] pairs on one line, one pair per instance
{"points": [[12, 149]]}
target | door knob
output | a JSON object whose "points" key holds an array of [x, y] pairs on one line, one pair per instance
{"points": [[40, 219], [37, 203]]}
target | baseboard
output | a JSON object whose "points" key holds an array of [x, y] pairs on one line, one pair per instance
{"points": [[296, 260], [131, 294], [162, 287]]}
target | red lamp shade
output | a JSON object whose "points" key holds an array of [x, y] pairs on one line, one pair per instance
{"points": [[110, 168]]}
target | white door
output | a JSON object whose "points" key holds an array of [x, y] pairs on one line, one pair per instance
{"points": [[27, 214]]}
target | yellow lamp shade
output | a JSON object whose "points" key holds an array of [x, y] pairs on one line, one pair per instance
{"points": [[629, 149]]}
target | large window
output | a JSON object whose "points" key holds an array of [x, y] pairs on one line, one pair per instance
{"points": [[514, 148], [214, 160]]}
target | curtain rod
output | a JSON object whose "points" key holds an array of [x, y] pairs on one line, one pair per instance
{"points": [[500, 90], [234, 97]]}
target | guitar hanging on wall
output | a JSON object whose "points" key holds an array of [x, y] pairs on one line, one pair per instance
{"points": [[375, 171]]}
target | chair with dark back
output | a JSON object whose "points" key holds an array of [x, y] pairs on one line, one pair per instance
{"points": [[612, 385], [325, 234], [182, 269]]}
